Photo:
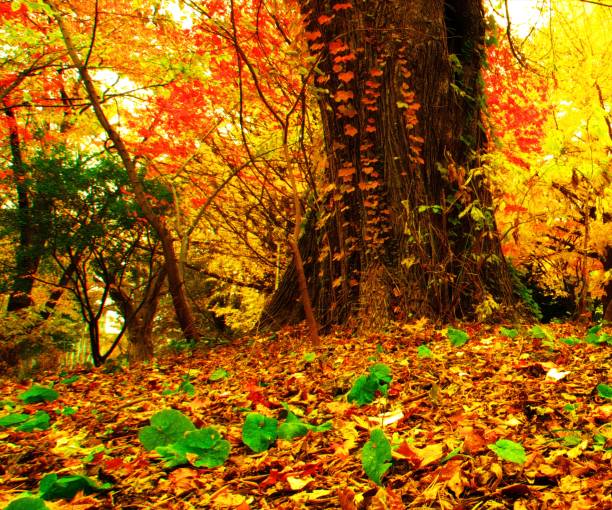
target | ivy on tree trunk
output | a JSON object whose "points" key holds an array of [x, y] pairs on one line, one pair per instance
{"points": [[406, 224]]}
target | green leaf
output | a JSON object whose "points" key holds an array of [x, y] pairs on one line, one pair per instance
{"points": [[382, 372], [424, 352], [259, 432], [509, 450], [206, 447], [219, 373], [375, 456], [68, 411], [309, 357], [604, 391], [66, 487], [293, 427], [365, 387], [364, 390], [39, 393], [69, 380], [451, 454], [40, 420], [539, 332], [510, 333], [457, 337], [27, 503], [167, 427], [171, 456], [187, 388], [13, 419], [572, 340]]}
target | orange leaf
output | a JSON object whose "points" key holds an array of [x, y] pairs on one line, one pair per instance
{"points": [[350, 130], [347, 76], [340, 7], [324, 19], [313, 36], [346, 171], [343, 96], [336, 47]]}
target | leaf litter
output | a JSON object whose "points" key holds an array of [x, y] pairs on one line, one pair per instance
{"points": [[498, 421]]}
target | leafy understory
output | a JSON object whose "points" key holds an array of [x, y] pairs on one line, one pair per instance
{"points": [[517, 417]]}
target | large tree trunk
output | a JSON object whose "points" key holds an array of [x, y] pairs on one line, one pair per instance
{"points": [[407, 225]]}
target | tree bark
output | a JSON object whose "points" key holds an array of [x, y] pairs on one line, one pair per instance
{"points": [[139, 318], [407, 225], [176, 284], [607, 297], [26, 259]]}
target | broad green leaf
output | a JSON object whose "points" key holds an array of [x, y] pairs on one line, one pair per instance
{"points": [[457, 337], [66, 487], [382, 372], [68, 411], [219, 373], [13, 419], [510, 333], [171, 456], [201, 448], [364, 390], [376, 456], [509, 450], [167, 427], [604, 391], [365, 387], [424, 352], [40, 420], [259, 432], [27, 503], [39, 393]]}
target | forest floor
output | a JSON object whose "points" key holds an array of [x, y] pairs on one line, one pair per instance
{"points": [[444, 412]]}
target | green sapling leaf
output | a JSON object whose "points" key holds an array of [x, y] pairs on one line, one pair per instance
{"points": [[259, 432], [39, 393], [40, 420], [27, 503], [376, 456], [219, 373], [167, 427], [13, 419], [66, 487], [510, 333], [604, 391], [424, 352], [509, 450], [457, 337]]}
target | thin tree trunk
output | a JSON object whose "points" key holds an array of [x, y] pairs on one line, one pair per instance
{"points": [[176, 284], [27, 260], [139, 319]]}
